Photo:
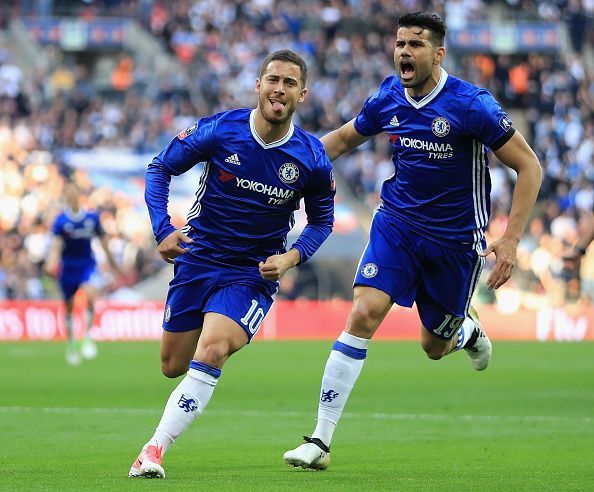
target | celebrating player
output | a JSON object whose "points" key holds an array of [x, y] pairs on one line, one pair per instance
{"points": [[232, 252], [426, 241], [71, 249]]}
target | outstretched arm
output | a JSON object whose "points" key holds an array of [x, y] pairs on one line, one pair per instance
{"points": [[342, 140], [517, 155]]}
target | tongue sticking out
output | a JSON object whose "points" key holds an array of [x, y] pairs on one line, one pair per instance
{"points": [[278, 107]]}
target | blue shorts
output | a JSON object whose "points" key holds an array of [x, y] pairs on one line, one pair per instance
{"points": [[201, 286], [410, 267], [74, 273]]}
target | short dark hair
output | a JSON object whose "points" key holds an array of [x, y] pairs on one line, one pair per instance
{"points": [[426, 20], [286, 56]]}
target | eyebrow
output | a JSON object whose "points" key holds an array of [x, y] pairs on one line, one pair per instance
{"points": [[284, 77]]}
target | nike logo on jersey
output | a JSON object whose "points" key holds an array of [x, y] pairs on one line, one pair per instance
{"points": [[394, 121], [233, 159]]}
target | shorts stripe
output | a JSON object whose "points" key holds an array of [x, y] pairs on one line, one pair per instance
{"points": [[476, 274]]}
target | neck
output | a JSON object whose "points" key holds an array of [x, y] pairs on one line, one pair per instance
{"points": [[427, 86], [270, 132]]}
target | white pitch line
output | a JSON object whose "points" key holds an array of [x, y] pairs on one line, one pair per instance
{"points": [[287, 414]]}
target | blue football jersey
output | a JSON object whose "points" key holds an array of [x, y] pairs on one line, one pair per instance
{"points": [[248, 190], [77, 231], [441, 185]]}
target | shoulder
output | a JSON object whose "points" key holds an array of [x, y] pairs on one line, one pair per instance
{"points": [[312, 147], [466, 91], [386, 96], [93, 214], [389, 87], [60, 219], [390, 83], [210, 124], [229, 118]]}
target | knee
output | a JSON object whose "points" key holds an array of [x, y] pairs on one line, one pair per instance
{"points": [[173, 368], [434, 352], [214, 354], [364, 320]]}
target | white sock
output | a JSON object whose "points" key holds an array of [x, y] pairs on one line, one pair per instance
{"points": [[464, 333], [185, 404], [342, 370], [90, 318], [69, 328]]}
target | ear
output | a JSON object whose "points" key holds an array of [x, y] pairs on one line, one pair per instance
{"points": [[257, 90], [439, 55], [302, 95]]}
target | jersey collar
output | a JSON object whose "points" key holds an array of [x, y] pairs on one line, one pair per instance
{"points": [[75, 217], [262, 143], [443, 76]]}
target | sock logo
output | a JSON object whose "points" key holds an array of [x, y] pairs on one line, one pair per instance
{"points": [[187, 404], [329, 395]]}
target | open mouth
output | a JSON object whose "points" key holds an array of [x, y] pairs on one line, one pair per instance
{"points": [[277, 106], [407, 70]]}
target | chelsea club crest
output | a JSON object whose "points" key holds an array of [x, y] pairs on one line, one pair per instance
{"points": [[369, 270], [440, 127], [288, 172]]}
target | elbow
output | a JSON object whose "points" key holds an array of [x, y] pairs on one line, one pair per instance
{"points": [[538, 172]]}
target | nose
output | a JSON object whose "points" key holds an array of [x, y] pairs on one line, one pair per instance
{"points": [[280, 87]]}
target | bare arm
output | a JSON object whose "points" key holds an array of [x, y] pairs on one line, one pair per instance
{"points": [[342, 140], [517, 155], [587, 237], [53, 257], [573, 255], [112, 263]]}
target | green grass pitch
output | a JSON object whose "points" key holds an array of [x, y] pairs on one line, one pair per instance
{"points": [[527, 423]]}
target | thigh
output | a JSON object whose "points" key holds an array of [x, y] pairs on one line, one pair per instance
{"points": [[389, 262], [246, 304], [93, 282], [221, 337], [448, 280]]}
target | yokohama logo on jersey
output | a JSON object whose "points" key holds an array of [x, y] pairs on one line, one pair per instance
{"points": [[415, 143], [436, 150], [273, 191]]}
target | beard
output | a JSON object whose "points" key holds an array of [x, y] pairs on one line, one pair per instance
{"points": [[419, 81], [271, 116]]}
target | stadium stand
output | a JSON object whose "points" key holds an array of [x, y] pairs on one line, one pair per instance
{"points": [[63, 112]]}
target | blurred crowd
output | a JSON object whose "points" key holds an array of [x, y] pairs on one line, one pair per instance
{"points": [[348, 45]]}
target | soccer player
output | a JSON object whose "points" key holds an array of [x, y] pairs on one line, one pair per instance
{"points": [[232, 252], [73, 231], [426, 241]]}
